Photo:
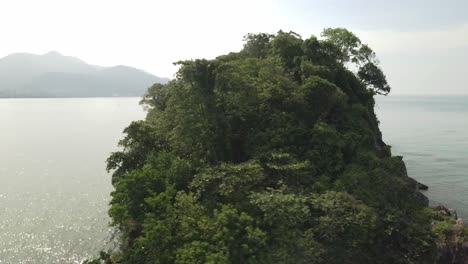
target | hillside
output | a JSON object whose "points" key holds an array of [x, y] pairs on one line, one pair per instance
{"points": [[272, 155], [55, 75]]}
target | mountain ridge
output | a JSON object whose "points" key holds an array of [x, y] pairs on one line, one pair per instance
{"points": [[55, 75]]}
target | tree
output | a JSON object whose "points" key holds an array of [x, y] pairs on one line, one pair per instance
{"points": [[352, 50], [345, 40], [257, 45]]}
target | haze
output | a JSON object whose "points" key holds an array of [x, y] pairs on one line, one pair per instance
{"points": [[422, 45]]}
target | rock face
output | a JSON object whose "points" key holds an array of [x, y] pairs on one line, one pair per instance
{"points": [[451, 233], [422, 186]]}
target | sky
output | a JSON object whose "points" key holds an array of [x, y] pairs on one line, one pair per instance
{"points": [[422, 45]]}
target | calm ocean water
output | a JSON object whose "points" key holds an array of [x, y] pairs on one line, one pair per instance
{"points": [[54, 191], [431, 134]]}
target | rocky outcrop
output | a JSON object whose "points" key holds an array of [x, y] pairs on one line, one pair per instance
{"points": [[422, 186], [451, 235]]}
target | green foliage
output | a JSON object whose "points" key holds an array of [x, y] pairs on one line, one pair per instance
{"points": [[352, 50], [257, 45], [272, 154], [345, 40], [374, 78]]}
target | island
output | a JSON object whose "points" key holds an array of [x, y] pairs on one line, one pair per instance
{"points": [[273, 155]]}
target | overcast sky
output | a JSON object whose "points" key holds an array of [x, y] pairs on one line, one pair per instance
{"points": [[422, 45]]}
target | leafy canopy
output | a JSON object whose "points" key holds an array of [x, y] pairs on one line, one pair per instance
{"points": [[269, 155]]}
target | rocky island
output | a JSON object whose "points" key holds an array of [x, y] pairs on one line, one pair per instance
{"points": [[273, 155]]}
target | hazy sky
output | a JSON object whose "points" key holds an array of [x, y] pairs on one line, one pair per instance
{"points": [[422, 45]]}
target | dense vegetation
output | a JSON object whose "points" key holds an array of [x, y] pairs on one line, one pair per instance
{"points": [[269, 155]]}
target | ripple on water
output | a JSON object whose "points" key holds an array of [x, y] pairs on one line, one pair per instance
{"points": [[444, 160]]}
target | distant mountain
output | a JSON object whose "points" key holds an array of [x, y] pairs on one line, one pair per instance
{"points": [[56, 75]]}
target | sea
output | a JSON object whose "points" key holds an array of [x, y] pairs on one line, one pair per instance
{"points": [[55, 192], [431, 133], [54, 189]]}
